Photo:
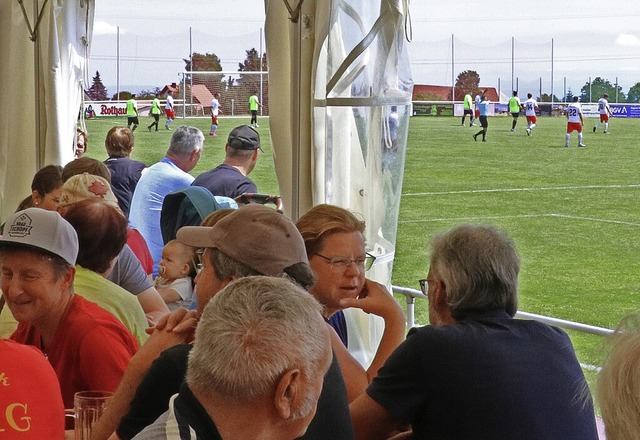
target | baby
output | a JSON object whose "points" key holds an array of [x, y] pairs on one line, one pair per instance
{"points": [[175, 271]]}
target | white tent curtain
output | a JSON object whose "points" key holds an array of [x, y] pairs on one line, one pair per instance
{"points": [[340, 73], [43, 60]]}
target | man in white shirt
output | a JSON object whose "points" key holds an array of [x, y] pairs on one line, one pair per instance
{"points": [[575, 122], [168, 110], [605, 111], [215, 109], [530, 108]]}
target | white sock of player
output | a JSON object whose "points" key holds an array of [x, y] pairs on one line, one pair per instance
{"points": [[566, 138], [606, 126], [579, 138], [532, 126], [598, 124]]}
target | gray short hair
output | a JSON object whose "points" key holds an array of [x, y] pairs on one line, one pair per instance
{"points": [[185, 141], [226, 268], [479, 266], [253, 331]]}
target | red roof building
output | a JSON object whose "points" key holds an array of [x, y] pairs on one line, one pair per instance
{"points": [[423, 92]]}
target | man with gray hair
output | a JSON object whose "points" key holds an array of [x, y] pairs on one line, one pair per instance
{"points": [[253, 240], [476, 372], [169, 175], [229, 393]]}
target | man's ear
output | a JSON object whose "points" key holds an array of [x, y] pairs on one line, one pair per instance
{"points": [[440, 303], [68, 277], [439, 296], [286, 394]]}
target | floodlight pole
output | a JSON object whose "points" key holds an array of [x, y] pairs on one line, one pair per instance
{"points": [[260, 69], [191, 76], [453, 81], [513, 87], [551, 72], [118, 64]]}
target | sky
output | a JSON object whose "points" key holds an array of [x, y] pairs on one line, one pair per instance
{"points": [[541, 45]]}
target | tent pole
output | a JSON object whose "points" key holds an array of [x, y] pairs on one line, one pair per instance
{"points": [[33, 36], [36, 74], [296, 84]]}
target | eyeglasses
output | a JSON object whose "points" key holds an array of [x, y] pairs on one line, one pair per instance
{"points": [[424, 285], [340, 264], [199, 255]]}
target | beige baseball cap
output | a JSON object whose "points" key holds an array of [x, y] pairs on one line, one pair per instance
{"points": [[87, 186], [255, 235]]}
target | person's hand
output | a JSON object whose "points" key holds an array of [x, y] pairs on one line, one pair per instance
{"points": [[375, 298], [160, 340], [180, 320]]}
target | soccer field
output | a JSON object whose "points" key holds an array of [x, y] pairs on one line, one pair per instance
{"points": [[572, 212]]}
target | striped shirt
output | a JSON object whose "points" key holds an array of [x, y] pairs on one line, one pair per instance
{"points": [[186, 419]]}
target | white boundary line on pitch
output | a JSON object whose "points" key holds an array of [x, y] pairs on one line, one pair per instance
{"points": [[498, 217], [543, 188], [601, 220], [495, 217]]}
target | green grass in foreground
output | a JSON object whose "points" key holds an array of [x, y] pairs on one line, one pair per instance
{"points": [[573, 213]]}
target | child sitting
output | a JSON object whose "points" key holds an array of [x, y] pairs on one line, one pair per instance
{"points": [[175, 271]]}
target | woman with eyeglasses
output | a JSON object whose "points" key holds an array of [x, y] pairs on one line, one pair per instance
{"points": [[46, 189], [334, 240]]}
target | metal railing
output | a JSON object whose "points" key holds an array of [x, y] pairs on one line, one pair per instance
{"points": [[412, 294]]}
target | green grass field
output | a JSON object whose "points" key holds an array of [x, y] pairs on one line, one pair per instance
{"points": [[573, 213]]}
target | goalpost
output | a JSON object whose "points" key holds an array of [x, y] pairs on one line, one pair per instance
{"points": [[235, 88]]}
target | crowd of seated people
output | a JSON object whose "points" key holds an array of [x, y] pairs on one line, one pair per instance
{"points": [[262, 351]]}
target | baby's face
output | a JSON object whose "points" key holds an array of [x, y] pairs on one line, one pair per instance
{"points": [[175, 262]]}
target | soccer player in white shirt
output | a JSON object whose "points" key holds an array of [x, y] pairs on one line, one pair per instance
{"points": [[215, 109], [169, 111], [575, 122], [530, 108], [605, 112]]}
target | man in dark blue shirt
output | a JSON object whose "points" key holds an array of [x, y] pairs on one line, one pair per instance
{"points": [[475, 372], [229, 179]]}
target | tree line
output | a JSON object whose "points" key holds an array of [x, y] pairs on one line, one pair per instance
{"points": [[207, 62], [468, 81]]}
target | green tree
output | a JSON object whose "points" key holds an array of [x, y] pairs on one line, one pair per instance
{"points": [[252, 62], [547, 98], [97, 91], [634, 93], [148, 94], [122, 96], [467, 82], [569, 96], [600, 86], [208, 62]]}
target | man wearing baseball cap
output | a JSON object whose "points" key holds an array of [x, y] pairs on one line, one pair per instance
{"points": [[253, 240], [230, 179], [87, 346]]}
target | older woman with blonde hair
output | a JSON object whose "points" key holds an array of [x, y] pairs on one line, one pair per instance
{"points": [[335, 245]]}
